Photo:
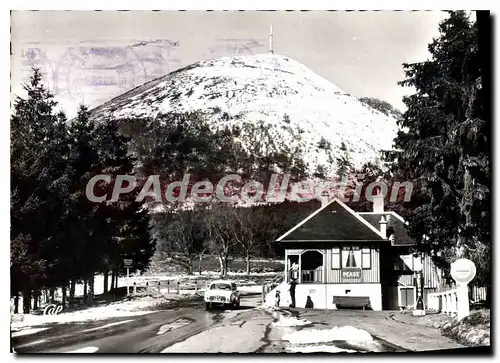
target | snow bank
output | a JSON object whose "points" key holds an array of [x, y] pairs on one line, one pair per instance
{"points": [[318, 349], [27, 331], [473, 330], [113, 310], [312, 336], [285, 321]]}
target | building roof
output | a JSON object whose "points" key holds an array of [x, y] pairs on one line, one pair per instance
{"points": [[395, 225], [335, 222]]}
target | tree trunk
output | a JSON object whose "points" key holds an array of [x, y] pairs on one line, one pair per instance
{"points": [[106, 275], [112, 279], [116, 279], [26, 301], [91, 289], [221, 262], [85, 291], [52, 293], [63, 289], [225, 265], [36, 294], [248, 263], [200, 263], [72, 287], [16, 303]]}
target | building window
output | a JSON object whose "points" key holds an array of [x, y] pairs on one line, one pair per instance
{"points": [[336, 259], [366, 261], [351, 258], [311, 267]]}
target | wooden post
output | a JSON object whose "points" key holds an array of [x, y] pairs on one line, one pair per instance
{"points": [[178, 286], [128, 275], [159, 284], [135, 287], [168, 287], [263, 294], [195, 285], [287, 268]]}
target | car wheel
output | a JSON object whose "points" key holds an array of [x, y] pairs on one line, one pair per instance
{"points": [[207, 306], [237, 304]]}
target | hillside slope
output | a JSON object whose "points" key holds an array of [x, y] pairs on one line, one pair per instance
{"points": [[304, 109]]}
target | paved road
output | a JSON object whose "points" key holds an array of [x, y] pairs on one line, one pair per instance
{"points": [[395, 330], [151, 333], [191, 329]]}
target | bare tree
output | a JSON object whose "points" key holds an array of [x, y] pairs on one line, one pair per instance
{"points": [[176, 233], [245, 230], [218, 221]]}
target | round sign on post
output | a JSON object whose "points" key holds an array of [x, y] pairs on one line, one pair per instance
{"points": [[463, 271]]}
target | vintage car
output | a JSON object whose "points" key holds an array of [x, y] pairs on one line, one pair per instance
{"points": [[222, 293]]}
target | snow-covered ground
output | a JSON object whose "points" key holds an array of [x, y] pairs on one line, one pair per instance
{"points": [[314, 336], [287, 321], [318, 349], [134, 307], [139, 305], [326, 340], [187, 282]]}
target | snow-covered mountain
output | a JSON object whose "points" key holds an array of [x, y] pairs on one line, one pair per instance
{"points": [[302, 107]]}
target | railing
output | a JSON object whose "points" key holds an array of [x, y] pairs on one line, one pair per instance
{"points": [[444, 302], [312, 276], [452, 302], [266, 288], [171, 287]]}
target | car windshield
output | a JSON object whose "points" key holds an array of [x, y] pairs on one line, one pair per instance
{"points": [[220, 287]]}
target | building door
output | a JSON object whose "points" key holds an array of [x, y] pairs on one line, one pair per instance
{"points": [[388, 279]]}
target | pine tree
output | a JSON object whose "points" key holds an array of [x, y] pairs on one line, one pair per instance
{"points": [[38, 156], [445, 147], [344, 163]]}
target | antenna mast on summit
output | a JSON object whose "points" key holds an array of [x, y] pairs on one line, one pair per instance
{"points": [[271, 50]]}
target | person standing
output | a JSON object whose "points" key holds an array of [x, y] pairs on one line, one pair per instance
{"points": [[294, 271], [293, 284]]}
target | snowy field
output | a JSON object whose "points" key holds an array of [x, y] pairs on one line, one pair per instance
{"points": [[111, 310], [190, 287]]}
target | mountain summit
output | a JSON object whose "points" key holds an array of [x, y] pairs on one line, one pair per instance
{"points": [[303, 108]]}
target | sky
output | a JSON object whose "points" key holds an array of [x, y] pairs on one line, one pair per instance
{"points": [[92, 56]]}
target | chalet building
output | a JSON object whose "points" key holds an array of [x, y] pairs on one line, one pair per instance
{"points": [[340, 258]]}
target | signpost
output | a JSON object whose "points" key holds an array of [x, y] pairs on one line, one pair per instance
{"points": [[128, 263], [463, 271], [418, 267]]}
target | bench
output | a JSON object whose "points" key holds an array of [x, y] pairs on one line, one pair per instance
{"points": [[352, 302]]}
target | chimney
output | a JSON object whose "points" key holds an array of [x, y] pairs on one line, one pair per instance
{"points": [[378, 202], [325, 199], [383, 226]]}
